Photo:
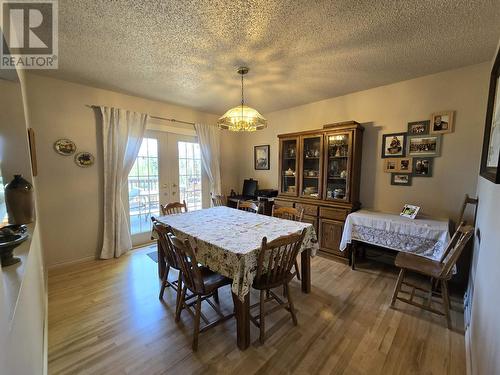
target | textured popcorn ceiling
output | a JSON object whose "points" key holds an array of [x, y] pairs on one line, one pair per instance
{"points": [[186, 52]]}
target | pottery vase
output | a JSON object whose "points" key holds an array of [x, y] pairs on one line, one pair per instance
{"points": [[19, 199]]}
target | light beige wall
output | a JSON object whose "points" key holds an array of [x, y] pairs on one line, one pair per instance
{"points": [[483, 335], [388, 109], [70, 198]]}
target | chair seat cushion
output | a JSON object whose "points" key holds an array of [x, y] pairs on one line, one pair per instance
{"points": [[213, 280], [262, 283], [419, 264]]}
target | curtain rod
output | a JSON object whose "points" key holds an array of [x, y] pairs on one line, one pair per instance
{"points": [[155, 117]]}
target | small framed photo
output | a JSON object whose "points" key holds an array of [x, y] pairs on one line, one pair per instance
{"points": [[261, 157], [401, 179], [405, 165], [424, 145], [419, 127], [391, 165], [393, 145], [442, 122], [422, 167], [410, 211]]}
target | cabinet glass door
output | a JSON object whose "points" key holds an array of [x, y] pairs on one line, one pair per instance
{"points": [[311, 167], [289, 167], [337, 168]]}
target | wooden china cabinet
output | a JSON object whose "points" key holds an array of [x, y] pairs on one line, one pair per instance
{"points": [[320, 172]]}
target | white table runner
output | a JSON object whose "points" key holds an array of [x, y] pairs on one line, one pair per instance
{"points": [[422, 236]]}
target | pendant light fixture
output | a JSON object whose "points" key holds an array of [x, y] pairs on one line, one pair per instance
{"points": [[242, 118]]}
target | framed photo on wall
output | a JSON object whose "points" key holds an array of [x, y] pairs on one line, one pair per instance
{"points": [[401, 179], [424, 145], [393, 145], [442, 122], [418, 127], [422, 167], [261, 157], [490, 159]]}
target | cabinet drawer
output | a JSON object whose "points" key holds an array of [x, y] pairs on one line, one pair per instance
{"points": [[281, 203], [333, 213], [309, 209], [311, 220]]}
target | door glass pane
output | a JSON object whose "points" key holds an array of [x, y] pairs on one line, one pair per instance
{"points": [[338, 163], [143, 195], [190, 174], [288, 167], [311, 173]]}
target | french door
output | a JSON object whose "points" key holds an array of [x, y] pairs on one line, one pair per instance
{"points": [[167, 169]]}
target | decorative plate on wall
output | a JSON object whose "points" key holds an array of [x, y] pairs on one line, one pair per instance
{"points": [[84, 159], [65, 147]]}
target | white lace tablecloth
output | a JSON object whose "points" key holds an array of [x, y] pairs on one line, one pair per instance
{"points": [[425, 237], [228, 240]]}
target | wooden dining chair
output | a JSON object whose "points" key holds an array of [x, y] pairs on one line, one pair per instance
{"points": [[174, 208], [167, 253], [274, 269], [289, 213], [202, 283], [217, 200], [468, 201], [441, 271], [248, 206]]}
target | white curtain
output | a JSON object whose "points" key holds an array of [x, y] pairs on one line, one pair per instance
{"points": [[122, 133], [209, 140]]}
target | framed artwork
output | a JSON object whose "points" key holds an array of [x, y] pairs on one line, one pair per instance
{"points": [[403, 165], [393, 145], [422, 167], [32, 146], [401, 179], [261, 157], [418, 127], [410, 211], [490, 158], [442, 122], [424, 145]]}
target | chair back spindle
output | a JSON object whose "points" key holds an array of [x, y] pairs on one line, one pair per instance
{"points": [[174, 208], [247, 206], [288, 213], [468, 200], [189, 266], [217, 200], [277, 258], [162, 231], [455, 248]]}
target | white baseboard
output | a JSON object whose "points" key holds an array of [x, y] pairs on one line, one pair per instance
{"points": [[468, 355]]}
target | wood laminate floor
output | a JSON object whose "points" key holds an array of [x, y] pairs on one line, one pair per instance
{"points": [[105, 318]]}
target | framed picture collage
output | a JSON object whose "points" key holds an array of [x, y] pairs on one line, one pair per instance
{"points": [[411, 154]]}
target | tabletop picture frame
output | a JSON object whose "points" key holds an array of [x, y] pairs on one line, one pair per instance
{"points": [[410, 211], [490, 158], [261, 156]]}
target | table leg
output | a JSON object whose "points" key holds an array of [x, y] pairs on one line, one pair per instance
{"points": [[305, 265], [353, 256], [242, 312]]}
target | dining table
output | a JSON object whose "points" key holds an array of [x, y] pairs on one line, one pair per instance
{"points": [[228, 241]]}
